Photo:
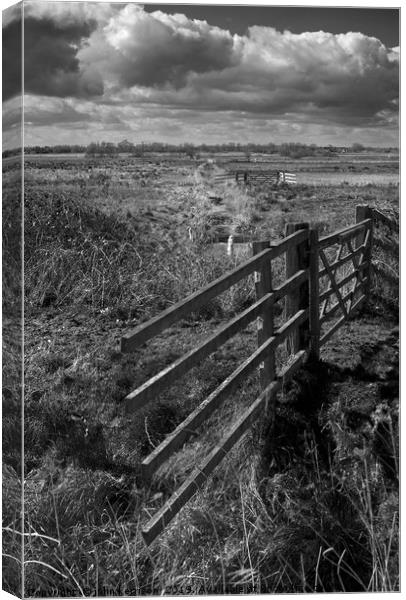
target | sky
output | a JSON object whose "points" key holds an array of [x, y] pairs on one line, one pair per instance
{"points": [[201, 74]]}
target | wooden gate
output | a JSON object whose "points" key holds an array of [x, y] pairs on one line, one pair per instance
{"points": [[345, 273], [270, 337], [326, 280]]}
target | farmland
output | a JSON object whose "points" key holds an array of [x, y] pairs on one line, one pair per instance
{"points": [[111, 242]]}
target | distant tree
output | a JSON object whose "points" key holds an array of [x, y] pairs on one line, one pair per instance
{"points": [[92, 149], [296, 150], [102, 149], [108, 148], [125, 146], [356, 147], [11, 152]]}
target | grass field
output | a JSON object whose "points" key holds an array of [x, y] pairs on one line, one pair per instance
{"points": [[112, 242]]}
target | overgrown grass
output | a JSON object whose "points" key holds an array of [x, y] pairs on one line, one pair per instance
{"points": [[386, 265], [11, 380], [319, 517], [75, 254], [313, 514]]}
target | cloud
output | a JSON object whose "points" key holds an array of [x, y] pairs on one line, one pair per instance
{"points": [[68, 14], [173, 60], [43, 110], [53, 34], [345, 77], [11, 113], [155, 49], [12, 57], [126, 62], [51, 66]]}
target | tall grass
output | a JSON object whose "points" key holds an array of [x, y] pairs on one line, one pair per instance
{"points": [[315, 514], [76, 254], [11, 380], [385, 260], [310, 527]]}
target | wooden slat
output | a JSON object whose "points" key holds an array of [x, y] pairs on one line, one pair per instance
{"points": [[336, 306], [334, 238], [325, 338], [291, 284], [296, 258], [363, 212], [314, 326], [188, 427], [156, 325], [199, 476], [348, 235], [263, 286], [342, 261], [333, 282], [342, 282], [358, 269], [151, 388], [289, 242], [334, 270]]}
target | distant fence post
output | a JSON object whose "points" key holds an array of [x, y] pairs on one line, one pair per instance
{"points": [[362, 212], [297, 258], [263, 286], [314, 316]]}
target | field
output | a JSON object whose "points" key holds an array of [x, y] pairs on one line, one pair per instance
{"points": [[111, 242]]}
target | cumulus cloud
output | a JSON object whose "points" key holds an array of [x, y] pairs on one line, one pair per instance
{"points": [[155, 49], [121, 56], [68, 14], [349, 75], [169, 59]]}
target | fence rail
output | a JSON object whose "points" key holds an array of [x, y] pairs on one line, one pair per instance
{"points": [[256, 176], [323, 277]]}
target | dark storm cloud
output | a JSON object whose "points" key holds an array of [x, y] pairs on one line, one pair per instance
{"points": [[52, 35], [12, 40], [51, 65]]}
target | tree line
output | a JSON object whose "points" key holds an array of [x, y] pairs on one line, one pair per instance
{"points": [[291, 150]]}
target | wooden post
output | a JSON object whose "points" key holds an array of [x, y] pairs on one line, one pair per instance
{"points": [[297, 258], [362, 212], [263, 285], [314, 324]]}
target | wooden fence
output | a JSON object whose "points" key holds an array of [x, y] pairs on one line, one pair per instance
{"points": [[257, 177], [323, 277]]}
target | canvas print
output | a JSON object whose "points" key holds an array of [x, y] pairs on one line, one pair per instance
{"points": [[200, 299]]}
